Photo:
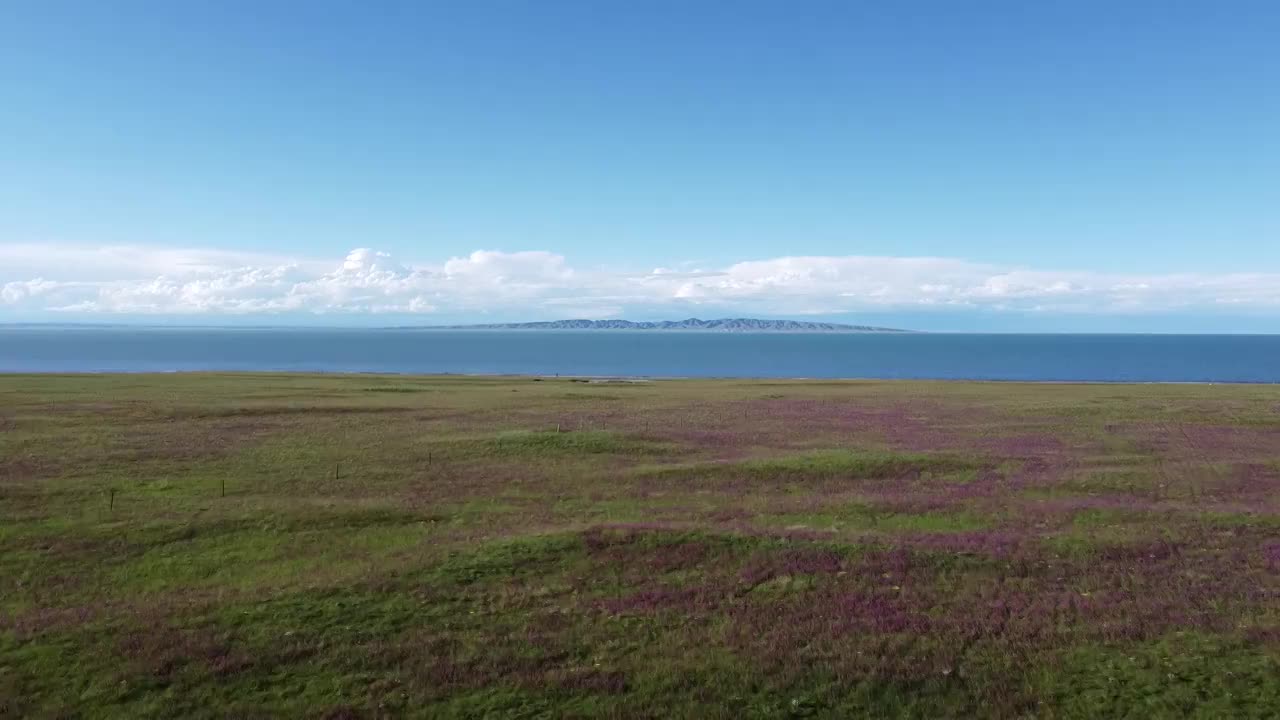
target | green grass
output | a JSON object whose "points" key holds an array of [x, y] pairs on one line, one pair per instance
{"points": [[263, 545], [1185, 676], [827, 465], [860, 516], [524, 444], [854, 464]]}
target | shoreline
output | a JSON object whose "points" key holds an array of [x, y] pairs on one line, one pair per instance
{"points": [[616, 379]]}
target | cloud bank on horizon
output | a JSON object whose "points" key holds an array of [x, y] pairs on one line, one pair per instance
{"points": [[43, 279]]}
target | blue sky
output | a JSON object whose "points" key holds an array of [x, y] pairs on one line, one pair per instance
{"points": [[942, 165]]}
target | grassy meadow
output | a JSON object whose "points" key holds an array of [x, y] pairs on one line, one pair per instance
{"points": [[261, 545]]}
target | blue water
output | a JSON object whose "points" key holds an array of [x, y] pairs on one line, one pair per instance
{"points": [[1147, 358]]}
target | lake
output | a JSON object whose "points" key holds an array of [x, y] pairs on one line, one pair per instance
{"points": [[1112, 358]]}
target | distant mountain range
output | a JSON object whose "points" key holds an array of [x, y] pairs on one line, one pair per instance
{"points": [[722, 325]]}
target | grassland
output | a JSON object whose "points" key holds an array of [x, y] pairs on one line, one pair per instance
{"points": [[357, 546]]}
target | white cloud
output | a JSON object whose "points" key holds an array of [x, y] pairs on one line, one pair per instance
{"points": [[509, 268], [84, 262], [148, 281]]}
